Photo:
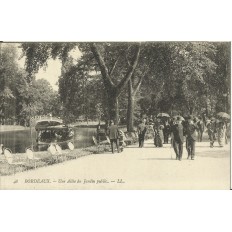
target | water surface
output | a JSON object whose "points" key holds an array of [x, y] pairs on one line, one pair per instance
{"points": [[18, 140]]}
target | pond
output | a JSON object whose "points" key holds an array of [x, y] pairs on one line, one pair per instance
{"points": [[18, 140]]}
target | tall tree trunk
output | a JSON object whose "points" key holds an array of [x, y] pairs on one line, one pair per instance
{"points": [[112, 89], [130, 108], [113, 107], [131, 101]]}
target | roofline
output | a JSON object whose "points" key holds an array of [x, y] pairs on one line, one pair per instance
{"points": [[49, 120]]}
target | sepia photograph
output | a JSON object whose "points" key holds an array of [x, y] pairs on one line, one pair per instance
{"points": [[115, 115], [102, 103]]}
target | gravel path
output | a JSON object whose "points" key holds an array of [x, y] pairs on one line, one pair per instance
{"points": [[134, 168]]}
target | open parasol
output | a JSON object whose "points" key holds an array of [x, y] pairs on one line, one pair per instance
{"points": [[223, 115], [163, 115]]}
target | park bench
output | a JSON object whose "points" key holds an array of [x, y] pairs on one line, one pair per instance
{"points": [[132, 136], [102, 144], [32, 160], [124, 138], [56, 152], [12, 161]]}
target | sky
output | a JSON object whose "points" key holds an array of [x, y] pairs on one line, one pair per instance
{"points": [[53, 69]]}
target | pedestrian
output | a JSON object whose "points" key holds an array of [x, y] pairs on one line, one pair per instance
{"points": [[221, 132], [114, 136], [211, 127], [98, 132], [201, 128], [226, 132], [142, 128], [107, 125], [150, 130], [158, 133], [1, 149], [121, 140], [177, 131], [172, 122], [191, 137], [166, 131]]}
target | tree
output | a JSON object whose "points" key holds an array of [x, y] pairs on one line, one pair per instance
{"points": [[168, 76], [80, 91], [37, 55], [36, 98], [221, 83], [182, 73], [18, 97], [9, 75], [144, 68], [114, 90]]}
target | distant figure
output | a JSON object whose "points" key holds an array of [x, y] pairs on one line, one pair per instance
{"points": [[211, 126], [172, 122], [98, 127], [205, 118], [158, 133], [122, 139], [166, 131], [201, 127], [221, 133], [150, 131], [1, 149], [98, 132], [191, 137], [114, 136], [141, 132], [177, 131], [107, 126], [226, 133]]}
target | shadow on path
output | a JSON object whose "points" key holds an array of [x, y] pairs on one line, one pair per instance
{"points": [[159, 159], [148, 147]]}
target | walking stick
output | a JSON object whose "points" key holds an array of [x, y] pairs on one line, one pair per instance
{"points": [[171, 149]]}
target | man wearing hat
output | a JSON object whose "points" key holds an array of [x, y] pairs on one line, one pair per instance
{"points": [[177, 131], [114, 136], [141, 132], [201, 128], [211, 126], [191, 137]]}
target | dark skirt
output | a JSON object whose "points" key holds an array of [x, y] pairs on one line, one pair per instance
{"points": [[157, 140]]}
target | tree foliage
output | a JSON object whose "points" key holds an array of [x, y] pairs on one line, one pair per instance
{"points": [[20, 99], [185, 77]]}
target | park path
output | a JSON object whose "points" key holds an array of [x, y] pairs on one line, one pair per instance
{"points": [[134, 168]]}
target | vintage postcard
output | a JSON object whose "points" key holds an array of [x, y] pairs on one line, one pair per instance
{"points": [[115, 115]]}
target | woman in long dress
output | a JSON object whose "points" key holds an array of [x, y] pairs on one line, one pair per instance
{"points": [[221, 133], [158, 133]]}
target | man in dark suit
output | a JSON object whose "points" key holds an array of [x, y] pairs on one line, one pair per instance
{"points": [[178, 138], [141, 132], [114, 136], [201, 128], [191, 137], [211, 126], [166, 130]]}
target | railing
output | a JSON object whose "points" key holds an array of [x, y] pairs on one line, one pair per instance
{"points": [[35, 119]]}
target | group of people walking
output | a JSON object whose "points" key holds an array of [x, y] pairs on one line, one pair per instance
{"points": [[179, 128], [176, 130], [217, 128]]}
